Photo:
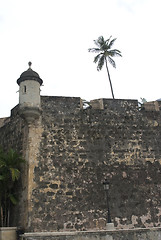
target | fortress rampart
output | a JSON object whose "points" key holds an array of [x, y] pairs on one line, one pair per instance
{"points": [[70, 151]]}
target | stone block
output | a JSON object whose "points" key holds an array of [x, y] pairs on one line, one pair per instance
{"points": [[8, 233]]}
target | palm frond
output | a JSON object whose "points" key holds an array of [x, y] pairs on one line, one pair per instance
{"points": [[10, 165], [111, 43], [97, 58], [101, 62], [99, 42], [107, 41], [95, 50], [104, 47], [13, 158], [15, 174], [115, 53], [111, 61], [96, 43]]}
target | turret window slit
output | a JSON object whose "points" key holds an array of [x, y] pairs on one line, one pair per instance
{"points": [[24, 89]]}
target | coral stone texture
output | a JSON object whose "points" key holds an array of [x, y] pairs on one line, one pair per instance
{"points": [[70, 151]]}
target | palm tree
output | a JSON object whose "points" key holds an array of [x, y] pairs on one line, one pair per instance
{"points": [[10, 164], [105, 52]]}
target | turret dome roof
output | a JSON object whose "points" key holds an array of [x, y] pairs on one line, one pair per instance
{"points": [[29, 75]]}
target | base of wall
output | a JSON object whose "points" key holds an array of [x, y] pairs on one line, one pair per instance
{"points": [[132, 234], [8, 233]]}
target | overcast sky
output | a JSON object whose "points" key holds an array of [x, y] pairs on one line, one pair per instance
{"points": [[55, 36]]}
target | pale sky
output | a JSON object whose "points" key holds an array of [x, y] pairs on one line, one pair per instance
{"points": [[55, 36]]}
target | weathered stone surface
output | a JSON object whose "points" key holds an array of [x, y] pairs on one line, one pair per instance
{"points": [[133, 234], [8, 233], [70, 152]]}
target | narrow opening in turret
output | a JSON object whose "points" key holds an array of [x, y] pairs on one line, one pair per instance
{"points": [[24, 89]]}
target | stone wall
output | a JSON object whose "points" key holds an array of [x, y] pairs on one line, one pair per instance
{"points": [[80, 148], [14, 134], [12, 131], [70, 152]]}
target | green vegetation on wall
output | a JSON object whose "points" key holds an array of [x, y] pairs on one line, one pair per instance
{"points": [[10, 165]]}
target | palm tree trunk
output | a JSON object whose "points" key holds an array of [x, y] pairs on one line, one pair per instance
{"points": [[109, 79]]}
